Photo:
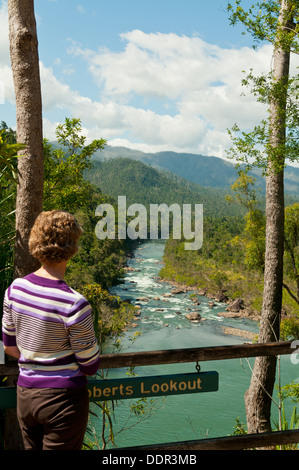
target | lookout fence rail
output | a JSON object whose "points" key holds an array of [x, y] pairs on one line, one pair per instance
{"points": [[212, 353]]}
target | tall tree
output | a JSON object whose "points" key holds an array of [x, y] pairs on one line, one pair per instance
{"points": [[25, 68], [274, 21]]}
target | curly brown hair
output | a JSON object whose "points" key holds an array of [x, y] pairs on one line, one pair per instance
{"points": [[54, 236]]}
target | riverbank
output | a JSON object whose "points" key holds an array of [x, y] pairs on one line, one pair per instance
{"points": [[238, 307], [235, 308], [233, 316]]}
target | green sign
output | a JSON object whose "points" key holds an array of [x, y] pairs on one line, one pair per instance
{"points": [[152, 386], [136, 387]]}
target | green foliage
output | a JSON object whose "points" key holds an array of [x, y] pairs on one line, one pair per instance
{"points": [[252, 240], [239, 428], [254, 148], [264, 22], [8, 179], [8, 159], [289, 329], [65, 187], [261, 20], [8, 133], [292, 241], [285, 425], [110, 314], [290, 391], [291, 253]]}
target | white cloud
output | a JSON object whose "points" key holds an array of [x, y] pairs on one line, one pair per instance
{"points": [[161, 92], [200, 82]]}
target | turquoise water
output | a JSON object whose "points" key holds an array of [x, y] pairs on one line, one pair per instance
{"points": [[184, 417]]}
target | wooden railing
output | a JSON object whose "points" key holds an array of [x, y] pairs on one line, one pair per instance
{"points": [[213, 353]]}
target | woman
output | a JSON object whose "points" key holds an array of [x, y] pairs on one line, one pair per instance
{"points": [[48, 327]]}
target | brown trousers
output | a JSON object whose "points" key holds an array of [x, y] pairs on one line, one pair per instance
{"points": [[52, 419]]}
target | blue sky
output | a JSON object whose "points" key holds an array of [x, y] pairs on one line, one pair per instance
{"points": [[152, 75]]}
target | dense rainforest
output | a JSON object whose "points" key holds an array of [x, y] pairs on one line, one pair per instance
{"points": [[231, 259]]}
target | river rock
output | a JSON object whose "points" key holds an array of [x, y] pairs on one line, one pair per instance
{"points": [[243, 333], [193, 316], [235, 305], [201, 292], [229, 314], [209, 295], [221, 297], [178, 291]]}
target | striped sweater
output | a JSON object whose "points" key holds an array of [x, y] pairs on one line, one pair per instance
{"points": [[51, 324]]}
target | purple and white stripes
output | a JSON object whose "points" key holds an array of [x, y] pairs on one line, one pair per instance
{"points": [[51, 324]]}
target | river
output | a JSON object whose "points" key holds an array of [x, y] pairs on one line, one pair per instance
{"points": [[163, 325]]}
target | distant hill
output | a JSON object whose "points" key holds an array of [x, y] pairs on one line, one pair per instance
{"points": [[143, 184], [205, 171]]}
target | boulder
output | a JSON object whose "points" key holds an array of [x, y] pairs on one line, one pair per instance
{"points": [[235, 305], [220, 297], [228, 314], [178, 291], [201, 292], [193, 316]]}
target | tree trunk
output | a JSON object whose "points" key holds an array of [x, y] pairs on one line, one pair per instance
{"points": [[25, 68], [258, 397]]}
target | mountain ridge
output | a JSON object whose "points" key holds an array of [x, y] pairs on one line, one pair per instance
{"points": [[208, 171]]}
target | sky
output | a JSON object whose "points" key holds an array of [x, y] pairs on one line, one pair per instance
{"points": [[151, 75]]}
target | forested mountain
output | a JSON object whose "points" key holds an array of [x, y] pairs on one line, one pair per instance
{"points": [[146, 185], [203, 170]]}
